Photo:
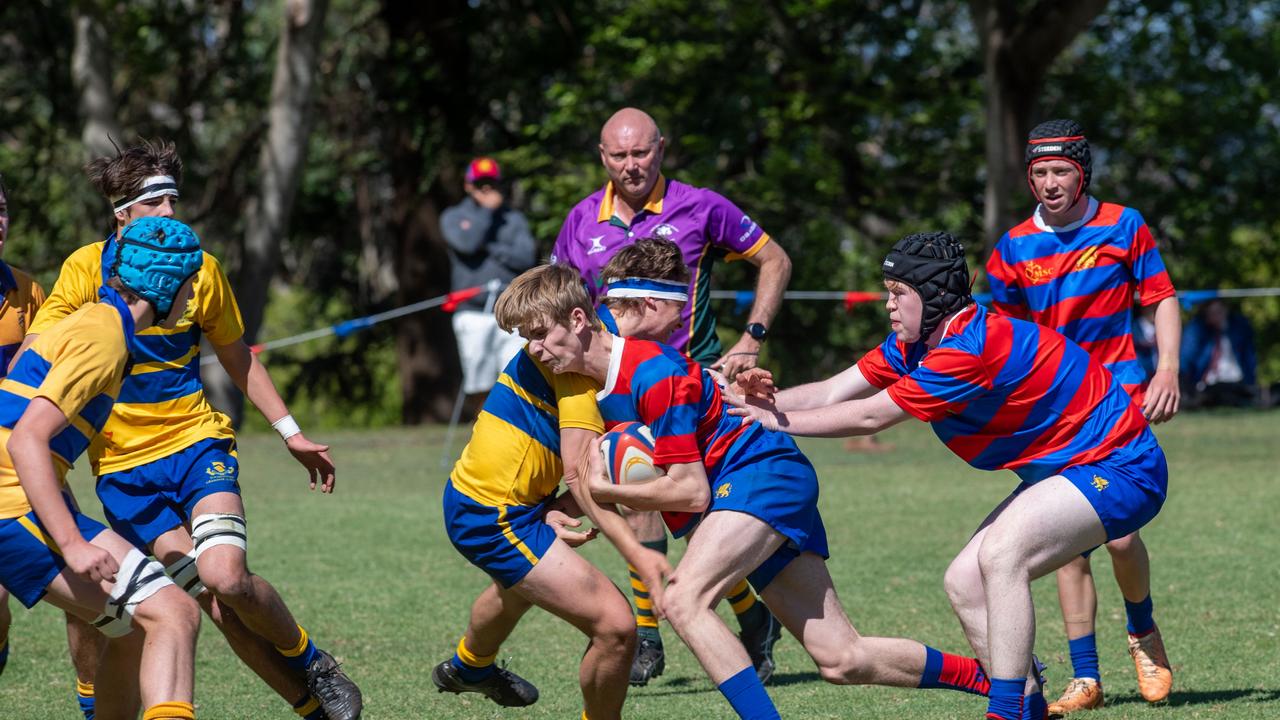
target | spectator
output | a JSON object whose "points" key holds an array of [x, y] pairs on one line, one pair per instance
{"points": [[1219, 362], [488, 240]]}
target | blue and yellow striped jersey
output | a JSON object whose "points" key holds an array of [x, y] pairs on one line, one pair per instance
{"points": [[22, 297], [513, 457], [162, 407], [78, 365]]}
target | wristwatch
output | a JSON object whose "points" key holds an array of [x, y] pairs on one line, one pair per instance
{"points": [[757, 331]]}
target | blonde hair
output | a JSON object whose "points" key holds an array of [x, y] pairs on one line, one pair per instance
{"points": [[545, 294]]}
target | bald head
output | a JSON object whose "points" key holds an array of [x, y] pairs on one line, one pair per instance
{"points": [[630, 123], [631, 149]]}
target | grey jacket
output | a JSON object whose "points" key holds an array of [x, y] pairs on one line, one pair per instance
{"points": [[485, 245]]}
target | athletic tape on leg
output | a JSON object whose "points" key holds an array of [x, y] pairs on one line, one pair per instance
{"points": [[215, 529], [184, 574], [139, 578]]}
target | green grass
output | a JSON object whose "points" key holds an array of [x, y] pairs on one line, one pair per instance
{"points": [[371, 574]]}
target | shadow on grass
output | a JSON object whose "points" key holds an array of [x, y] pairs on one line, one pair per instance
{"points": [[697, 686], [1206, 697]]}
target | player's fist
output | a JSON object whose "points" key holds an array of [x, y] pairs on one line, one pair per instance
{"points": [[91, 562]]}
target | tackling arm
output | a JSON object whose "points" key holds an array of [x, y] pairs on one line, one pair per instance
{"points": [[851, 417]]}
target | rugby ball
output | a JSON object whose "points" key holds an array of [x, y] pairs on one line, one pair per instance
{"points": [[628, 454]]}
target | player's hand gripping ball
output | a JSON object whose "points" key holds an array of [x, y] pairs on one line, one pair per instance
{"points": [[628, 454]]}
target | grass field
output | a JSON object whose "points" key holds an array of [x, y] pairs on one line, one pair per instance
{"points": [[371, 574]]}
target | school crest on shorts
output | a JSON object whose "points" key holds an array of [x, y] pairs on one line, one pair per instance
{"points": [[218, 471], [724, 490], [1100, 483]]}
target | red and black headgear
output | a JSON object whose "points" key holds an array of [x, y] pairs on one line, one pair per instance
{"points": [[1060, 140]]}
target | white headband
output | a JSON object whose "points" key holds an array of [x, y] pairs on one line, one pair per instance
{"points": [[152, 187], [634, 287]]}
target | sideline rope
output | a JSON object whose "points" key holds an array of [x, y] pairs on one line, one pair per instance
{"points": [[742, 301]]}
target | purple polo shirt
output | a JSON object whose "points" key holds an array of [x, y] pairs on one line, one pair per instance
{"points": [[701, 222]]}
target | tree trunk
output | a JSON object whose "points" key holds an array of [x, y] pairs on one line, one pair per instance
{"points": [[91, 75], [280, 166], [1018, 50]]}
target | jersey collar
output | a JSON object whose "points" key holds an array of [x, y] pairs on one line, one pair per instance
{"points": [[1089, 214], [653, 204], [615, 366], [109, 296]]}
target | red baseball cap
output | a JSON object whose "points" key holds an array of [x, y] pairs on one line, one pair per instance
{"points": [[483, 168]]}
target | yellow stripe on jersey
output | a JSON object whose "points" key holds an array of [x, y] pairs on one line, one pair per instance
{"points": [[513, 457], [505, 526], [764, 238], [162, 408]]}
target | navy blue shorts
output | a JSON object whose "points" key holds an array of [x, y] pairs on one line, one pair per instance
{"points": [[147, 501], [771, 480], [29, 559], [505, 541]]}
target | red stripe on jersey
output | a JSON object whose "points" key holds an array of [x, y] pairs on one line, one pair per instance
{"points": [[876, 369], [1026, 227], [1107, 301], [1111, 350], [1130, 426], [1155, 288], [1014, 310], [1108, 214]]}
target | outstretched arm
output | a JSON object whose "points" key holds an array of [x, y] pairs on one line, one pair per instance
{"points": [[851, 417], [250, 375]]}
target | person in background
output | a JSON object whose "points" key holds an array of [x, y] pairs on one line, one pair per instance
{"points": [[1219, 362]]}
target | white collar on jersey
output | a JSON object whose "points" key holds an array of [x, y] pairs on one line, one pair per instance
{"points": [[1046, 227], [615, 364]]}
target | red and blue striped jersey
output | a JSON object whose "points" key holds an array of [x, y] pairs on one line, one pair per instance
{"points": [[661, 387], [1080, 280], [1006, 394]]}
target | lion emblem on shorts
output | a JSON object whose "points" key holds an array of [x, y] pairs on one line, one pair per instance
{"points": [[724, 490], [1100, 483]]}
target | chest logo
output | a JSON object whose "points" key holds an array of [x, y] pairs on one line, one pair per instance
{"points": [[1100, 483], [1037, 273], [1087, 259], [597, 245], [724, 490], [665, 230]]}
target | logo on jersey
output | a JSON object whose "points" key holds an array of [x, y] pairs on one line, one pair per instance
{"points": [[597, 245], [748, 226], [724, 490], [1100, 483], [1088, 259], [218, 471], [1037, 273], [665, 231]]}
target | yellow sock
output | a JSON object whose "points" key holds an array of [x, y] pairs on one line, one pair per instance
{"points": [[84, 689], [472, 659], [741, 597], [306, 706], [170, 711], [296, 650], [644, 604]]}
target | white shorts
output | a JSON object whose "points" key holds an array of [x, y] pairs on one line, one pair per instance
{"points": [[484, 349]]}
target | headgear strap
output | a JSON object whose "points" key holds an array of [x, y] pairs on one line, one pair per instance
{"points": [[637, 287], [152, 187]]}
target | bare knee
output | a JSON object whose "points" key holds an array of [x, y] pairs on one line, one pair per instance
{"points": [[963, 583], [1129, 546], [849, 665], [615, 629], [169, 610], [1000, 559], [229, 583], [683, 602]]}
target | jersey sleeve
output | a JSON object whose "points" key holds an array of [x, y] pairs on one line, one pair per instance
{"points": [[216, 310], [576, 402], [731, 229], [876, 366], [944, 382], [1006, 294], [669, 406], [77, 284], [1148, 267], [89, 361]]}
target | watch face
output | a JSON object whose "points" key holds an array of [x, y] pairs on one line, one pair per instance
{"points": [[757, 331]]}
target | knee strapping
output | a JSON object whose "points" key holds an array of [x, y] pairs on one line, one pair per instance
{"points": [[213, 529], [139, 578], [184, 574]]}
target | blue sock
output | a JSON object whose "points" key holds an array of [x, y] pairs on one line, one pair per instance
{"points": [[299, 657], [1084, 657], [1034, 707], [471, 673], [1140, 621], [308, 708], [747, 696], [1006, 698]]}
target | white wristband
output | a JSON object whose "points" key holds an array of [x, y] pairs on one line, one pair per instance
{"points": [[286, 426]]}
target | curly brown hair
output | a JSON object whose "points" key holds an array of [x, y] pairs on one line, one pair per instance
{"points": [[651, 258], [123, 175]]}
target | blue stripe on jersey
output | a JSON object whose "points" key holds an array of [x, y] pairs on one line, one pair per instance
{"points": [[1151, 261], [162, 385], [528, 377], [69, 443], [1128, 372], [504, 404], [97, 410], [1076, 284], [982, 410], [1044, 414], [31, 370], [165, 348], [11, 407], [1093, 329]]}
